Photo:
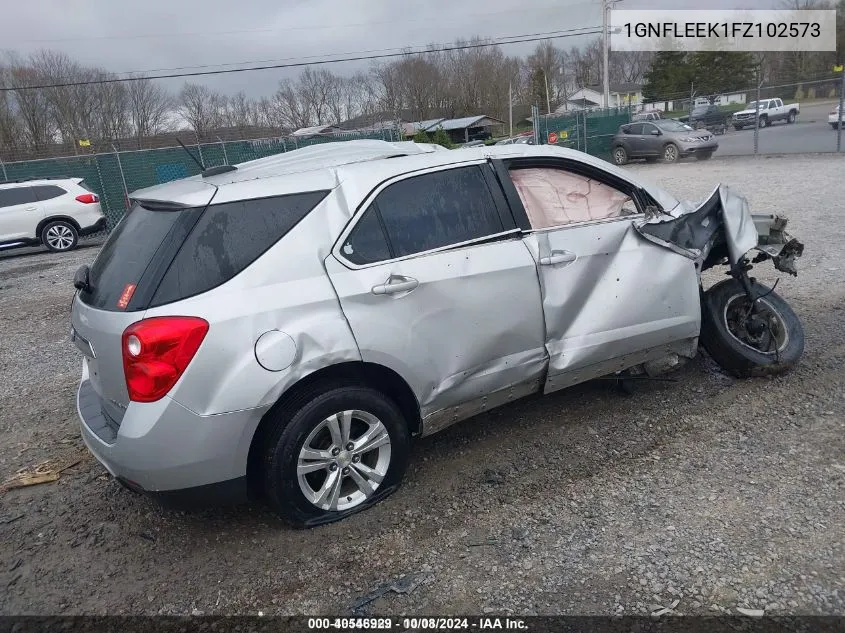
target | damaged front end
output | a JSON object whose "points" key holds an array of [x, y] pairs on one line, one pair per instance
{"points": [[722, 230]]}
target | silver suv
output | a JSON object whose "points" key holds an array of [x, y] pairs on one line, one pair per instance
{"points": [[283, 328]]}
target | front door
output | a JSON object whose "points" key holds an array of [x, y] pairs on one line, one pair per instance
{"points": [[20, 213], [611, 299], [437, 285]]}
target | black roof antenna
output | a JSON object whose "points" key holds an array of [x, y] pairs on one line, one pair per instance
{"points": [[196, 160]]}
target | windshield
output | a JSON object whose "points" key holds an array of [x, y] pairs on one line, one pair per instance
{"points": [[672, 126], [753, 105]]}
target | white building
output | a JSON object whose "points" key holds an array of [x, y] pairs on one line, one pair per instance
{"points": [[621, 95]]}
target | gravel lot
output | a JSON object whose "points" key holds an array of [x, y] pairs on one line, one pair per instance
{"points": [[708, 493]]}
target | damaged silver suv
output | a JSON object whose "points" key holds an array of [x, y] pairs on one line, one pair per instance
{"points": [[283, 328]]}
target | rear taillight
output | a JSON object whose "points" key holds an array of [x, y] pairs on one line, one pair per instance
{"points": [[87, 198], [156, 353]]}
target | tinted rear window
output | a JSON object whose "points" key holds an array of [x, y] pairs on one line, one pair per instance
{"points": [[48, 192], [228, 238], [126, 254]]}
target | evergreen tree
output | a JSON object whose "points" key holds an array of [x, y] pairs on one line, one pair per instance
{"points": [[669, 76], [718, 72]]}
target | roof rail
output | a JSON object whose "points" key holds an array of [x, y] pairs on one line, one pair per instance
{"points": [[220, 169], [31, 178]]}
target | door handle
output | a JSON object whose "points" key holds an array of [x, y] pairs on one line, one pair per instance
{"points": [[395, 284], [558, 257], [30, 208]]}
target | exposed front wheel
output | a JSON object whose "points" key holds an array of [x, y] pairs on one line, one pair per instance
{"points": [[333, 453], [59, 236], [768, 340], [764, 121], [620, 156], [670, 153]]}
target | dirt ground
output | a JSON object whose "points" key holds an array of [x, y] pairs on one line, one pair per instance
{"points": [[703, 495]]}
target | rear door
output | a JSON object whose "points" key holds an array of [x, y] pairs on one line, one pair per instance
{"points": [[611, 299], [20, 213], [437, 285], [633, 138]]}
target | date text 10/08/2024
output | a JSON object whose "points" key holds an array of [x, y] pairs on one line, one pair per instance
{"points": [[424, 623]]}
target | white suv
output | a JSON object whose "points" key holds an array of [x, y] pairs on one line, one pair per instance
{"points": [[49, 211]]}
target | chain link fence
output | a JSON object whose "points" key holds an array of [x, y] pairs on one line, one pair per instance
{"points": [[588, 131], [114, 175]]}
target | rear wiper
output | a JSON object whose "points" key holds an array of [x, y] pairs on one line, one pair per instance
{"points": [[80, 279]]}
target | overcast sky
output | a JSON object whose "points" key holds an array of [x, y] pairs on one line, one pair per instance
{"points": [[122, 36]]}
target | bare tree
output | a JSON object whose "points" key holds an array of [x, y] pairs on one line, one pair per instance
{"points": [[32, 105], [149, 107], [200, 107], [291, 110], [112, 112]]}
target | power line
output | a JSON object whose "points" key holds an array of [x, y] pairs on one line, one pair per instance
{"points": [[134, 36], [513, 39]]}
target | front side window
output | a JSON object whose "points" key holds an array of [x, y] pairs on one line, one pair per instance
{"points": [[555, 197], [16, 195], [437, 209]]}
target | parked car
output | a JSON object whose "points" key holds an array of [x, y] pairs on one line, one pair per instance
{"points": [[517, 140], [834, 118], [666, 139], [770, 110], [711, 117], [286, 326], [652, 115], [49, 211]]}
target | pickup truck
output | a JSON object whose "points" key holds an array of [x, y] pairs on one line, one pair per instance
{"points": [[771, 110]]}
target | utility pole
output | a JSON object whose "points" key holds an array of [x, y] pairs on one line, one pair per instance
{"points": [[510, 109], [604, 47], [841, 120], [757, 112], [548, 101]]}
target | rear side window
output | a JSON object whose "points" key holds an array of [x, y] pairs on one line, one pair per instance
{"points": [[16, 195], [438, 209], [366, 243], [229, 237], [48, 192]]}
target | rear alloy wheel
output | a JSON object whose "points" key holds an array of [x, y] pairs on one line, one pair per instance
{"points": [[670, 153], [620, 156], [342, 451], [790, 117], [59, 236]]}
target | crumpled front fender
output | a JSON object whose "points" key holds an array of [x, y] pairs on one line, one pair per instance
{"points": [[724, 218]]}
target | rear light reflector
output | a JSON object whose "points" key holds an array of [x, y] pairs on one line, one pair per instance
{"points": [[87, 198], [157, 351]]}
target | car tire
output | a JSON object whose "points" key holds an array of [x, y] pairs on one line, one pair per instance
{"points": [[59, 236], [294, 479], [738, 127], [722, 336], [620, 156], [764, 121], [790, 118], [835, 126], [671, 153]]}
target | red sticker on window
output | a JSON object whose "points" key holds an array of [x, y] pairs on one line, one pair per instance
{"points": [[125, 296]]}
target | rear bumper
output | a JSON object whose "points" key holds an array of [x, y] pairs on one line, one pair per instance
{"points": [[99, 225], [165, 450]]}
